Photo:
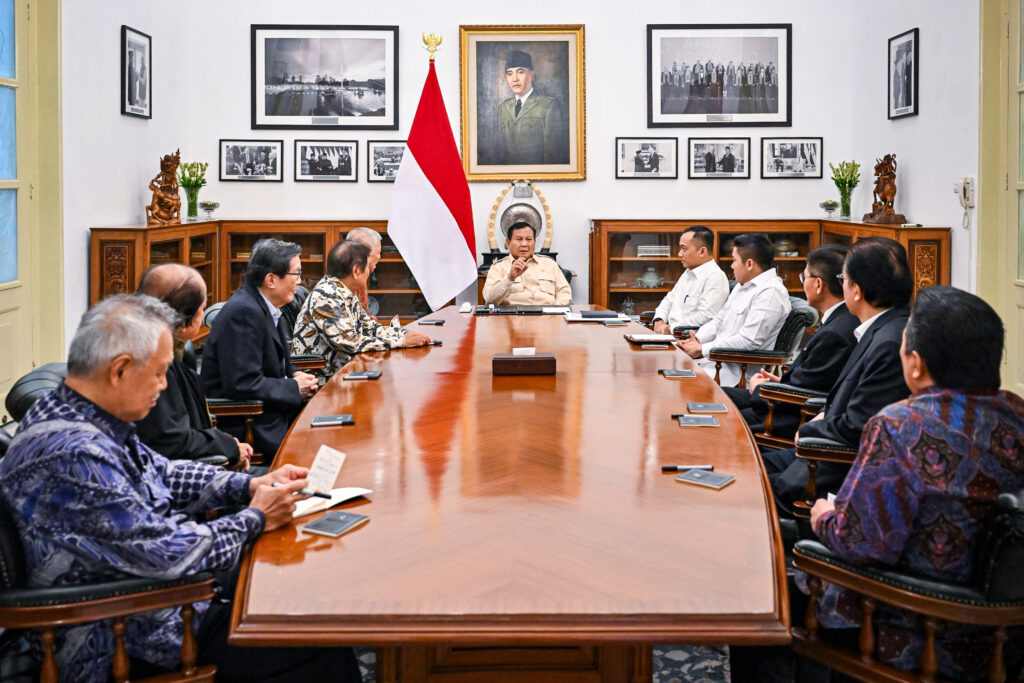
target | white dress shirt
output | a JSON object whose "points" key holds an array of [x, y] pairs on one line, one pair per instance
{"points": [[829, 311], [275, 312], [698, 294], [750, 320], [859, 331]]}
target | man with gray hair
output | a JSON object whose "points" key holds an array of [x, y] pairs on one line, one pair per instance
{"points": [[370, 239], [93, 503]]}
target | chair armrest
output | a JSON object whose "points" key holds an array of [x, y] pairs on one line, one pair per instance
{"points": [[309, 361], [816, 448], [750, 357], [788, 393], [679, 330], [949, 601], [225, 407], [64, 605], [816, 403]]}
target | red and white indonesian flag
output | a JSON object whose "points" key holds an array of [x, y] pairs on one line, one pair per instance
{"points": [[431, 217]]}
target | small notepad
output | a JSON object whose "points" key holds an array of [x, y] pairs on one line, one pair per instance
{"points": [[677, 374], [695, 407], [714, 480], [697, 420]]}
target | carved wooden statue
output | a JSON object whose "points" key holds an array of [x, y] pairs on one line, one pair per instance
{"points": [[166, 206], [882, 210]]}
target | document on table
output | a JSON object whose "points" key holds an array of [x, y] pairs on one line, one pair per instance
{"points": [[322, 475], [579, 318]]}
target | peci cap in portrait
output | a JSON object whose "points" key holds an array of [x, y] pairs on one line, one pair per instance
{"points": [[517, 58]]}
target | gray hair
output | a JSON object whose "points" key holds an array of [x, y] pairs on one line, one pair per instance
{"points": [[123, 324], [368, 237]]}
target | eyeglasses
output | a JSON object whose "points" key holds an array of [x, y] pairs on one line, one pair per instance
{"points": [[841, 277], [298, 273], [803, 278]]}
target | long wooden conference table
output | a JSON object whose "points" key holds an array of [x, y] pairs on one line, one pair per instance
{"points": [[520, 526]]}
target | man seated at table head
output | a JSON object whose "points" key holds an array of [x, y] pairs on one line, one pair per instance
{"points": [[246, 356], [929, 468], [701, 290], [179, 425], [877, 287], [93, 503], [333, 323], [524, 277], [370, 239], [819, 363], [752, 315]]}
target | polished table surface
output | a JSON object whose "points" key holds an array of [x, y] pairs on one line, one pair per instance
{"points": [[523, 510]]}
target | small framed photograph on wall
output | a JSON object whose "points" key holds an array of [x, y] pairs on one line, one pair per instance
{"points": [[719, 158], [903, 74], [646, 157], [136, 73], [256, 160], [326, 161], [791, 157], [383, 158]]}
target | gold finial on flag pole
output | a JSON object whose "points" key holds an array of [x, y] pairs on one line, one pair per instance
{"points": [[431, 40]]}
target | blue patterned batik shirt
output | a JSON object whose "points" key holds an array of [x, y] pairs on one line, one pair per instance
{"points": [[93, 503]]}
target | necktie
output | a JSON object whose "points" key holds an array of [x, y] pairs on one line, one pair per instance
{"points": [[519, 106]]}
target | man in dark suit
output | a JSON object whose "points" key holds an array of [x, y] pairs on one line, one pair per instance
{"points": [[822, 359], [709, 161], [246, 356], [877, 287], [728, 163]]}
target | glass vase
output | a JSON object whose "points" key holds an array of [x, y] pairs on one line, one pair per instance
{"points": [[844, 206], [192, 197]]}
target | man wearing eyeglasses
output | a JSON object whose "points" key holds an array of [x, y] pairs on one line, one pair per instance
{"points": [[822, 359], [246, 356]]}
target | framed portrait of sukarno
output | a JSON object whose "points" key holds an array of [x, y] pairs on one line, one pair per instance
{"points": [[522, 102], [328, 77], [719, 75]]}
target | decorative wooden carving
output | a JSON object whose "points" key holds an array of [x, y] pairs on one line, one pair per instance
{"points": [[882, 210], [115, 269], [165, 208], [925, 265]]}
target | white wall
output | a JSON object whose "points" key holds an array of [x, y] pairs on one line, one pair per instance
{"points": [[201, 93]]}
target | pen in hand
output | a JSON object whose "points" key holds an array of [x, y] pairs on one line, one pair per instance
{"points": [[684, 468], [307, 492]]}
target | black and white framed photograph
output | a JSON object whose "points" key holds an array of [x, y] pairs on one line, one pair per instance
{"points": [[256, 160], [383, 158], [791, 157], [646, 157], [903, 74], [136, 73], [326, 161], [719, 75], [719, 158], [329, 77]]}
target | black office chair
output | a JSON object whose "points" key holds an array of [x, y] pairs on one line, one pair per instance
{"points": [[994, 597], [23, 607], [799, 319]]}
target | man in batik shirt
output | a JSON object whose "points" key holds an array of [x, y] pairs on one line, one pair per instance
{"points": [[930, 467], [333, 323], [92, 503]]}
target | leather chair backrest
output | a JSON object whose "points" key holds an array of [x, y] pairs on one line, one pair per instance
{"points": [[12, 557], [211, 312], [290, 311], [35, 384], [1001, 550], [799, 319]]}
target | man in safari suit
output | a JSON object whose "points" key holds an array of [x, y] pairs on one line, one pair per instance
{"points": [[532, 125]]}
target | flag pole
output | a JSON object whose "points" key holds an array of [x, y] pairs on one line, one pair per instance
{"points": [[432, 41]]}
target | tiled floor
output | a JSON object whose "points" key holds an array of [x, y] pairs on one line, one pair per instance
{"points": [[672, 664]]}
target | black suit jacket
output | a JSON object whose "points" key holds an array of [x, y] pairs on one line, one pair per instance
{"points": [[178, 426], [817, 367], [871, 380], [246, 358]]}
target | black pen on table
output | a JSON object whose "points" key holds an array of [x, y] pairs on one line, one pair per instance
{"points": [[684, 468], [307, 492]]}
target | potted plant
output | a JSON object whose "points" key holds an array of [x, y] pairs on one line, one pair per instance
{"points": [[846, 177], [191, 177]]}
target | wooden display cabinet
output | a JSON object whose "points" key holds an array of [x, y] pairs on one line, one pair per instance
{"points": [[220, 251], [928, 249], [615, 266]]}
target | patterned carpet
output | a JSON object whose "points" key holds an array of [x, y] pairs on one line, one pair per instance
{"points": [[672, 664]]}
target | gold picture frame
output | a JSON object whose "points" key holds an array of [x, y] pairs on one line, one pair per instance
{"points": [[545, 138]]}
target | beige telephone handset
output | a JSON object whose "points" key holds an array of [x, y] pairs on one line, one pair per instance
{"points": [[964, 190]]}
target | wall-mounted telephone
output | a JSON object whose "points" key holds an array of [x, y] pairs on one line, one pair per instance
{"points": [[964, 190]]}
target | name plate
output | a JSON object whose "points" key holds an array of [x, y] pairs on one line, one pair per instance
{"points": [[542, 363]]}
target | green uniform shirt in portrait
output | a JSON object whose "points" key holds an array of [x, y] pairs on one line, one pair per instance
{"points": [[537, 135]]}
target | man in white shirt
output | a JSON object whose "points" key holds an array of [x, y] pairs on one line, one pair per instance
{"points": [[752, 316], [701, 290]]}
